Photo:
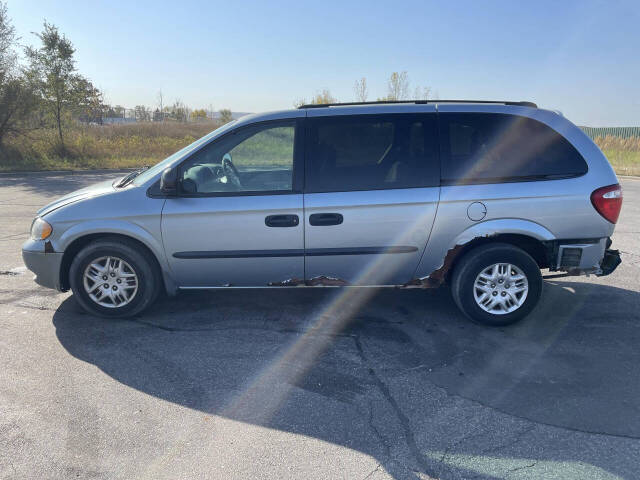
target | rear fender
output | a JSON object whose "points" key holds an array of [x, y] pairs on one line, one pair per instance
{"points": [[492, 228], [442, 250]]}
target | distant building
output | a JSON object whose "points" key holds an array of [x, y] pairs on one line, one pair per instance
{"points": [[117, 120], [159, 116]]}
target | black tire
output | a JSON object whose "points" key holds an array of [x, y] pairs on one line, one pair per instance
{"points": [[143, 264], [480, 258]]}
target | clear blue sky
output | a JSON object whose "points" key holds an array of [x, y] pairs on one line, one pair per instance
{"points": [[580, 57]]}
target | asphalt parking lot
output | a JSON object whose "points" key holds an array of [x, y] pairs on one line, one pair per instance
{"points": [[282, 384]]}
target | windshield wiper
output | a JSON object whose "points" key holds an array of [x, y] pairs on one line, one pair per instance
{"points": [[128, 179]]}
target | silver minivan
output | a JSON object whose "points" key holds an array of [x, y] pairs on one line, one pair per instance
{"points": [[476, 195]]}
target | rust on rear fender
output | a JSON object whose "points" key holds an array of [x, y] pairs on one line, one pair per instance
{"points": [[437, 277]]}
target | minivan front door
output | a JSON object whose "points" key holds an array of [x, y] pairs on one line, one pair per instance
{"points": [[372, 189], [238, 218]]}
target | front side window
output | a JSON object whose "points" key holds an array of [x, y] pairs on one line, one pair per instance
{"points": [[492, 148], [253, 159], [160, 166], [371, 152]]}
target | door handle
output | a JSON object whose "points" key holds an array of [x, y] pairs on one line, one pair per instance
{"points": [[325, 219], [281, 221]]}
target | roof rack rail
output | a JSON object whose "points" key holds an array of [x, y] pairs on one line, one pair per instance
{"points": [[418, 102]]}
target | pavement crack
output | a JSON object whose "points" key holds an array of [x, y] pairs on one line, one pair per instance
{"points": [[262, 326], [478, 432], [167, 328], [519, 436], [15, 235], [29, 306], [162, 327], [403, 420], [436, 365], [9, 204], [523, 467], [528, 420], [382, 440], [372, 471]]}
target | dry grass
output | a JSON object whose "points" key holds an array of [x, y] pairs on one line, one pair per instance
{"points": [[109, 146], [623, 153]]}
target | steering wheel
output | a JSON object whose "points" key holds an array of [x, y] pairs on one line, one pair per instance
{"points": [[230, 170]]}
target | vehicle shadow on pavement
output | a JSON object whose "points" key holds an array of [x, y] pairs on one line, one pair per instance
{"points": [[404, 379], [55, 184]]}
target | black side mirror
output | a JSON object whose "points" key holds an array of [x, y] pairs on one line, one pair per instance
{"points": [[169, 181]]}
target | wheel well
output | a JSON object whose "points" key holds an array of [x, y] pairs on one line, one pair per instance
{"points": [[532, 246], [79, 243]]}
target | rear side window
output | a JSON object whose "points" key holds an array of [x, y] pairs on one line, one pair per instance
{"points": [[371, 152], [494, 148]]}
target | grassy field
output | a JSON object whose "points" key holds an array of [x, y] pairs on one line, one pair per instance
{"points": [[133, 145], [623, 153], [109, 146]]}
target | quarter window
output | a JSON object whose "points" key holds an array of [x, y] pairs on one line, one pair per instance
{"points": [[492, 148], [371, 152], [253, 159]]}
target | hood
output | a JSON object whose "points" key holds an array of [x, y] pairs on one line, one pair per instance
{"points": [[87, 192]]}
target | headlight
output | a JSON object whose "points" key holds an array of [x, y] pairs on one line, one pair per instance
{"points": [[40, 229]]}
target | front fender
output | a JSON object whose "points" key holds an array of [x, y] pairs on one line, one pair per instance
{"points": [[119, 227], [103, 226]]}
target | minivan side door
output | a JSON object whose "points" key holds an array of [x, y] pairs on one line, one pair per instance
{"points": [[371, 193], [237, 220]]}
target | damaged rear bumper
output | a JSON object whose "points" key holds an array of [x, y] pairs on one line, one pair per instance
{"points": [[610, 262], [584, 257]]}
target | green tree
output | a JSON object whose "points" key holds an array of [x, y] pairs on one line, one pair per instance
{"points": [[86, 101], [7, 42], [143, 114], [198, 115], [52, 67], [398, 89], [179, 111], [158, 116], [16, 96], [320, 98], [225, 115], [324, 97], [118, 111]]}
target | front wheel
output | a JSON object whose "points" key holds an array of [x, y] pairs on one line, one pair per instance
{"points": [[114, 278], [496, 284]]}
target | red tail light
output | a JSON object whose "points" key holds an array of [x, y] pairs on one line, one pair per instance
{"points": [[608, 201]]}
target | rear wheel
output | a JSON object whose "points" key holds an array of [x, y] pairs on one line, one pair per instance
{"points": [[114, 278], [496, 284]]}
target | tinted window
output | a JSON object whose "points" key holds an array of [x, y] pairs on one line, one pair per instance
{"points": [[253, 159], [488, 148], [371, 152]]}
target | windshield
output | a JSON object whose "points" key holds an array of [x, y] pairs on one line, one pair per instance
{"points": [[158, 167]]}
